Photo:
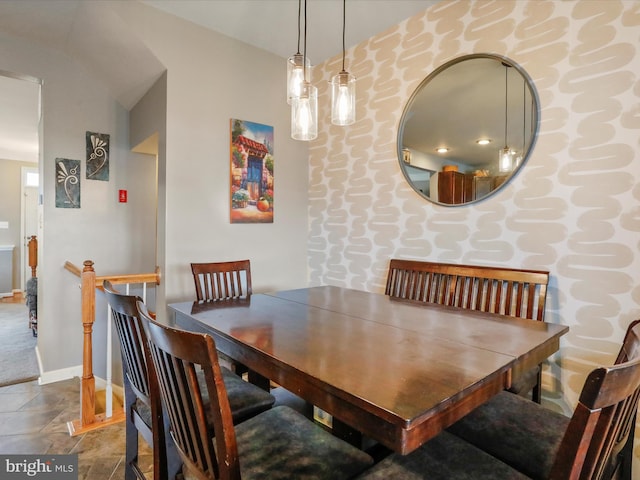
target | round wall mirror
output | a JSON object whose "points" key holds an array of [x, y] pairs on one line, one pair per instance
{"points": [[467, 129]]}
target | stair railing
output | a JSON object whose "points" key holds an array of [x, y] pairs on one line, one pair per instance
{"points": [[89, 282]]}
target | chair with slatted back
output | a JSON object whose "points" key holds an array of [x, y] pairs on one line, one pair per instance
{"points": [[142, 399], [498, 425], [504, 291], [488, 443], [276, 444], [142, 402], [222, 280]]}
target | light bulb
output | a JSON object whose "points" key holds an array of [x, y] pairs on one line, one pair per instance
{"points": [[344, 104], [297, 68], [505, 160], [343, 96], [297, 79], [304, 114]]}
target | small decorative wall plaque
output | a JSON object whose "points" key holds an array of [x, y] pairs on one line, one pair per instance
{"points": [[251, 172], [97, 156], [67, 183]]}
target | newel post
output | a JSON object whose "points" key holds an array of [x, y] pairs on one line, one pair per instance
{"points": [[88, 400]]}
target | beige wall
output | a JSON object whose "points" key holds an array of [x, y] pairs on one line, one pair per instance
{"points": [[10, 211], [573, 210]]}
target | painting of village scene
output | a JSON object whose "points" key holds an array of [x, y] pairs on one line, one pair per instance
{"points": [[251, 172]]}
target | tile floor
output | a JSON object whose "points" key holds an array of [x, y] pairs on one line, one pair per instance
{"points": [[33, 420]]}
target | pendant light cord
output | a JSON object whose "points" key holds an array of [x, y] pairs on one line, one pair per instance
{"points": [[304, 63], [299, 8], [506, 97], [344, 22]]}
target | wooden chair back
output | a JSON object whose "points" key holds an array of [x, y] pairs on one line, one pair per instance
{"points": [[140, 385], [604, 417], [176, 355], [222, 280], [505, 291]]}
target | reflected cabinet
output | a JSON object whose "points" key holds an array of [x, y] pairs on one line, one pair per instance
{"points": [[455, 188]]}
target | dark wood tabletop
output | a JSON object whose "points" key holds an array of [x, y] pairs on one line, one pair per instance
{"points": [[395, 371]]}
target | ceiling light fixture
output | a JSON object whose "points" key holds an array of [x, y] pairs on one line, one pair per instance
{"points": [[505, 156], [297, 65], [483, 141], [304, 108], [343, 87], [442, 150]]}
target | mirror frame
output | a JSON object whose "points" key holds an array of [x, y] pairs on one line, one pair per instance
{"points": [[535, 123]]}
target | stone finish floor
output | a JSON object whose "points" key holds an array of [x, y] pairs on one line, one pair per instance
{"points": [[33, 420]]}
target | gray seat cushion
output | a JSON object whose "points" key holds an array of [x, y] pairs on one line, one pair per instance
{"points": [[518, 431], [281, 444], [445, 457], [245, 399]]}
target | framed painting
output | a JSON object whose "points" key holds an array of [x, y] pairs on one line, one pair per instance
{"points": [[67, 183], [251, 172], [97, 145]]}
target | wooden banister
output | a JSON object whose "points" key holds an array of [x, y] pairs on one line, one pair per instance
{"points": [[89, 282], [33, 255]]}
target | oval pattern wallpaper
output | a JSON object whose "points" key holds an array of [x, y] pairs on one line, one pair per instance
{"points": [[572, 210]]}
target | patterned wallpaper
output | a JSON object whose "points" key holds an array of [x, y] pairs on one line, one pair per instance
{"points": [[572, 210]]}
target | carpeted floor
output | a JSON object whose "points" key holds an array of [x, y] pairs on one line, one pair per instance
{"points": [[18, 362]]}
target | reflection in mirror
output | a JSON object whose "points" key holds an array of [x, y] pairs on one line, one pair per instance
{"points": [[467, 129]]}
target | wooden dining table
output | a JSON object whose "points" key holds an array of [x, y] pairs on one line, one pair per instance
{"points": [[395, 371]]}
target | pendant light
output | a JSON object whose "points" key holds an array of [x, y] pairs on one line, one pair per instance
{"points": [[304, 108], [343, 87], [520, 157], [505, 156], [297, 66]]}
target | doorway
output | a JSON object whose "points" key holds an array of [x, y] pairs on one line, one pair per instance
{"points": [[20, 124]]}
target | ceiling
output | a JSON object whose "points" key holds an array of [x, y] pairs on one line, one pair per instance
{"points": [[79, 27]]}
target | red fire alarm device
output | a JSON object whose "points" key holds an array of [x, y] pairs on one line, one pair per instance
{"points": [[122, 196]]}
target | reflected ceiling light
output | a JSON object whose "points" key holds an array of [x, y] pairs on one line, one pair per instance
{"points": [[297, 66], [442, 150], [343, 87], [483, 141], [505, 156], [304, 108]]}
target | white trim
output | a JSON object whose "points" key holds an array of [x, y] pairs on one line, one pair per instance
{"points": [[59, 375]]}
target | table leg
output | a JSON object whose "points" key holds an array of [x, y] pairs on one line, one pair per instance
{"points": [[259, 380], [346, 433]]}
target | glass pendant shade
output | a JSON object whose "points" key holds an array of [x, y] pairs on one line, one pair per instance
{"points": [[304, 114], [297, 65], [343, 99], [505, 160]]}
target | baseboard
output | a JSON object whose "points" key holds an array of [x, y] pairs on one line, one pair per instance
{"points": [[53, 376], [75, 371]]}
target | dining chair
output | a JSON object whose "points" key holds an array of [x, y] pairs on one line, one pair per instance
{"points": [[505, 291], [143, 409], [222, 280], [518, 438], [506, 422], [276, 444]]}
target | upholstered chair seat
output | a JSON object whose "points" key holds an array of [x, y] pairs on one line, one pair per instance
{"points": [[281, 444], [516, 430], [445, 457]]}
